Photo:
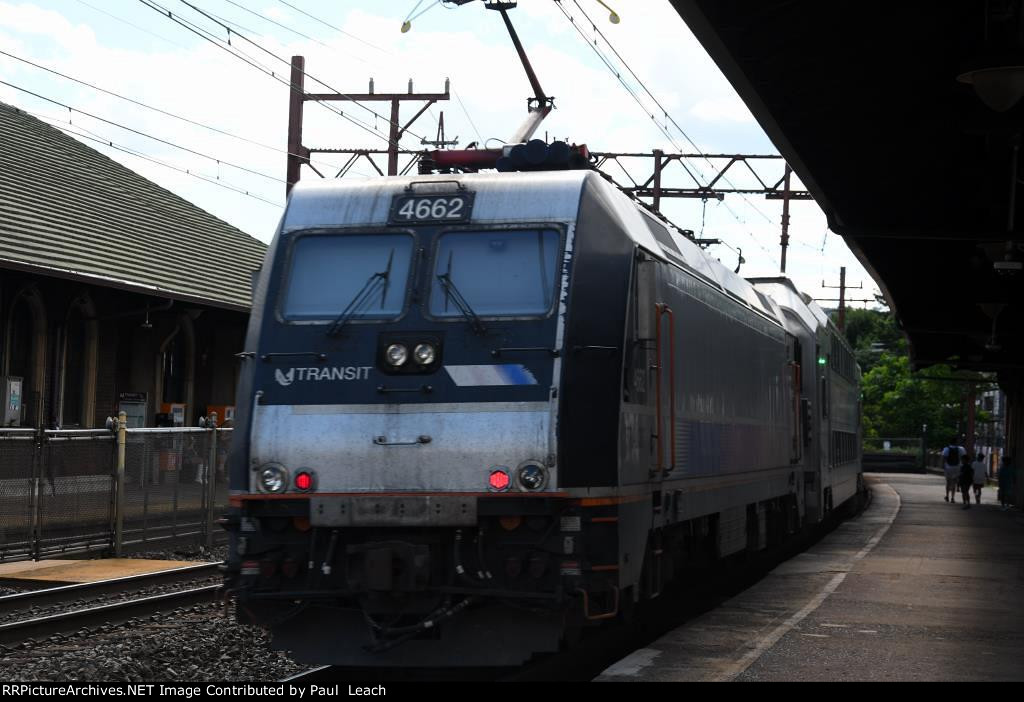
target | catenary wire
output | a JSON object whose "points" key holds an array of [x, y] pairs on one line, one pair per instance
{"points": [[161, 111], [289, 29], [71, 108], [245, 58], [664, 111], [132, 25], [331, 26], [662, 128], [83, 133], [306, 74], [466, 112], [604, 59]]}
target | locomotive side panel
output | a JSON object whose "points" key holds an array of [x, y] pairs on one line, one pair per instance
{"points": [[592, 370]]}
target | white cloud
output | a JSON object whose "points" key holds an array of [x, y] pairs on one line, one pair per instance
{"points": [[727, 109], [467, 44], [27, 19], [277, 13]]}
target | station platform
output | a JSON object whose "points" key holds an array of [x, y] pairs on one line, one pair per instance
{"points": [[69, 572], [913, 589]]}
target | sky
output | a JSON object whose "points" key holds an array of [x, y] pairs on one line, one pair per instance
{"points": [[132, 48]]}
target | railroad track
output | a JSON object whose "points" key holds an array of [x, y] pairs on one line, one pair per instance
{"points": [[83, 616], [589, 657]]}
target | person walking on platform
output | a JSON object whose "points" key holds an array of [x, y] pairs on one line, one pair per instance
{"points": [[951, 456], [1007, 482], [980, 476], [966, 480]]}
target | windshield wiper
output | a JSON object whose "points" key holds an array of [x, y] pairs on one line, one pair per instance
{"points": [[363, 296], [450, 291]]}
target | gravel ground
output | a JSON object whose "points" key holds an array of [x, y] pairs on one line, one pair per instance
{"points": [[195, 644], [182, 553]]}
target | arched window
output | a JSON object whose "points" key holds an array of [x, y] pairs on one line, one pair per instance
{"points": [[20, 363], [77, 382], [174, 368], [25, 351]]}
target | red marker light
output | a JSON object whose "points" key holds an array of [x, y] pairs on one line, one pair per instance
{"points": [[303, 481], [499, 479]]}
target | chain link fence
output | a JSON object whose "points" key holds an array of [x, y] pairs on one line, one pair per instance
{"points": [[17, 469], [59, 489], [75, 486]]}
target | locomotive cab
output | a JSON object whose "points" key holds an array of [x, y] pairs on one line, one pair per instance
{"points": [[402, 403]]}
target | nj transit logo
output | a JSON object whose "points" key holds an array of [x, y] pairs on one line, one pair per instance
{"points": [[302, 375]]}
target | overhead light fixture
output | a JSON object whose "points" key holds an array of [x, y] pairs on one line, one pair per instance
{"points": [[1011, 263], [614, 16], [999, 87]]}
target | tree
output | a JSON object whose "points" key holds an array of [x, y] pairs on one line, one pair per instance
{"points": [[870, 333], [898, 402]]}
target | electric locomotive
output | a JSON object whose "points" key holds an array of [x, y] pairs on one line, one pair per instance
{"points": [[480, 413]]}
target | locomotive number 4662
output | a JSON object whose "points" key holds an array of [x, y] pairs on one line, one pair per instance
{"points": [[416, 209]]}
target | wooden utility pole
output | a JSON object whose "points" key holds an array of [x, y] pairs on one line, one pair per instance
{"points": [[842, 297], [439, 142], [784, 240], [299, 154]]}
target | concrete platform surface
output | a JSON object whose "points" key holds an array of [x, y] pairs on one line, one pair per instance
{"points": [[85, 571], [913, 589]]}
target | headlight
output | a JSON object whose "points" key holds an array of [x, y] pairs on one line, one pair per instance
{"points": [[396, 354], [273, 478], [425, 354], [532, 476]]}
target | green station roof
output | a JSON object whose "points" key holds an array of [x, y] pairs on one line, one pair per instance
{"points": [[68, 211]]}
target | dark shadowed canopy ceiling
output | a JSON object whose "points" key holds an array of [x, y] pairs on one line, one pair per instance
{"points": [[911, 167]]}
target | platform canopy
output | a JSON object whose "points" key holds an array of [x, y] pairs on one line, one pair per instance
{"points": [[904, 121]]}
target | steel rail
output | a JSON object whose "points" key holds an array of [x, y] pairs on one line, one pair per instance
{"points": [[52, 595], [116, 613]]}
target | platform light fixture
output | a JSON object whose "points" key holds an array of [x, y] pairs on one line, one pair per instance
{"points": [[999, 87]]}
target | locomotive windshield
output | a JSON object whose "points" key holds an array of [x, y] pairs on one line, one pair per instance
{"points": [[330, 273], [498, 273]]}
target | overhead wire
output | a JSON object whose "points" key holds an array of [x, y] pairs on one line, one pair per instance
{"points": [[83, 133], [172, 144], [331, 26], [132, 25], [249, 60], [661, 107], [161, 111], [466, 112], [237, 25], [304, 73], [411, 16], [663, 128], [289, 29]]}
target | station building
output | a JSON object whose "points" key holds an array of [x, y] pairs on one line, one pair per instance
{"points": [[114, 292]]}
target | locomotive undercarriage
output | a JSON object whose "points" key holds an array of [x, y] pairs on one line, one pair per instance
{"points": [[380, 595], [541, 571]]}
